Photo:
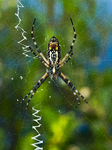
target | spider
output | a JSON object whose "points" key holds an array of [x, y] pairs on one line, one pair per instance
{"points": [[53, 63]]}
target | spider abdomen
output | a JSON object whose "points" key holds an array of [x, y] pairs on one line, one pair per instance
{"points": [[53, 57], [54, 53]]}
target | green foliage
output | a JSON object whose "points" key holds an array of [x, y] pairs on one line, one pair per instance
{"points": [[63, 126]]}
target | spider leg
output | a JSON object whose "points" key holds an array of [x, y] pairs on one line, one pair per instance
{"points": [[36, 44], [38, 84], [66, 60], [71, 86], [38, 57], [74, 35], [70, 52]]}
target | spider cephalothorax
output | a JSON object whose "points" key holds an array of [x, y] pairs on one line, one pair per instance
{"points": [[53, 63]]}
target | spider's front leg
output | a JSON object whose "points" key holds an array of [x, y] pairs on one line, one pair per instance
{"points": [[42, 61], [46, 61], [32, 92], [71, 86], [70, 52]]}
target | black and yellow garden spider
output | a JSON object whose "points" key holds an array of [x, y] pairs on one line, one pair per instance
{"points": [[53, 63]]}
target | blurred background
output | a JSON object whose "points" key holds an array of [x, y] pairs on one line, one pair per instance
{"points": [[63, 127]]}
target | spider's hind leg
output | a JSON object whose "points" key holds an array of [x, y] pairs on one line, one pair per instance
{"points": [[71, 86], [26, 96], [32, 92]]}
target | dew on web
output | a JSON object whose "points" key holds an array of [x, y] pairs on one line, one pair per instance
{"points": [[17, 100], [21, 77], [49, 96]]}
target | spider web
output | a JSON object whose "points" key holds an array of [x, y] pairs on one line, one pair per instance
{"points": [[58, 125]]}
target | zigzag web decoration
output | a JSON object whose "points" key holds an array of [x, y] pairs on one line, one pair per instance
{"points": [[23, 31], [38, 118]]}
